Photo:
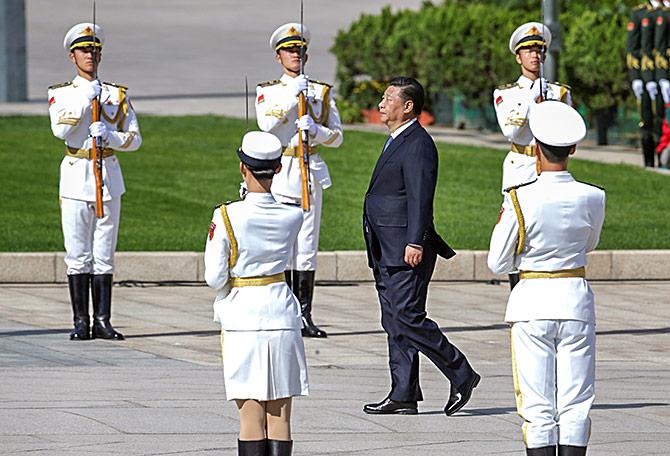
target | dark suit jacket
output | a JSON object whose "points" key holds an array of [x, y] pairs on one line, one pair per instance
{"points": [[398, 207]]}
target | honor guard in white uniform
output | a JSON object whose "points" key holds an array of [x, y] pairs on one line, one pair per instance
{"points": [[90, 241], [247, 252], [512, 102], [545, 229], [277, 113]]}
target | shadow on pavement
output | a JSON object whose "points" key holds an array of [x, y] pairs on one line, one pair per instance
{"points": [[510, 410]]}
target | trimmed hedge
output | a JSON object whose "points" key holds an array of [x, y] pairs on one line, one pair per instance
{"points": [[460, 48]]}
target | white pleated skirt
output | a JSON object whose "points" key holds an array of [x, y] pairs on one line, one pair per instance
{"points": [[264, 365]]}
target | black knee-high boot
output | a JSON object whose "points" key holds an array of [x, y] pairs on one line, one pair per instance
{"points": [[279, 447], [101, 289], [252, 447], [569, 450], [303, 283], [544, 451], [78, 285]]}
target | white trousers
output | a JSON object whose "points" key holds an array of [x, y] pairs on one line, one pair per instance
{"points": [[303, 257], [553, 364], [90, 242], [518, 169]]}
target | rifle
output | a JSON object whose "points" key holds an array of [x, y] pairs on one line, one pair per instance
{"points": [[246, 101], [303, 143], [96, 146], [543, 90]]}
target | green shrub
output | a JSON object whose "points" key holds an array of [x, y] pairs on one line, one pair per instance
{"points": [[458, 49]]}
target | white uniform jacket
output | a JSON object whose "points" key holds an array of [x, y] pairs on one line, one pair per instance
{"points": [[264, 232], [563, 219], [71, 115], [512, 102], [277, 111]]}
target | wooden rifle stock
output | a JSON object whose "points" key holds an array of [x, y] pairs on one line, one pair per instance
{"points": [[96, 156], [303, 154]]}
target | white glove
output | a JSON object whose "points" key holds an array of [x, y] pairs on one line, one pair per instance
{"points": [[306, 123], [299, 84], [99, 129], [536, 89], [91, 90], [652, 89], [664, 84], [638, 88]]}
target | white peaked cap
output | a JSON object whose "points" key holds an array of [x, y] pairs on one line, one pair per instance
{"points": [[82, 35], [260, 149], [288, 35], [556, 124], [529, 34]]}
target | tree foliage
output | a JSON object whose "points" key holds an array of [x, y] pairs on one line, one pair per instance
{"points": [[461, 46]]}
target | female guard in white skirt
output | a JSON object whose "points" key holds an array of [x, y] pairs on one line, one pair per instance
{"points": [[247, 252]]}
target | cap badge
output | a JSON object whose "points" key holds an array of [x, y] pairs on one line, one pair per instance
{"points": [[88, 31], [293, 32], [533, 31]]}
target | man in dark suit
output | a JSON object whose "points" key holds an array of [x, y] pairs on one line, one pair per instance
{"points": [[402, 247]]}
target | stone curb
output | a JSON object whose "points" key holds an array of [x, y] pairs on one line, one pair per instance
{"points": [[339, 266]]}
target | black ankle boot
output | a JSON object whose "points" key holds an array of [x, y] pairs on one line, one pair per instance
{"points": [[569, 450], [251, 447], [78, 285], [303, 283], [101, 290], [279, 447], [513, 280], [544, 451]]}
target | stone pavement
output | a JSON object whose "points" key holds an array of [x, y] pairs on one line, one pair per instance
{"points": [[161, 392]]}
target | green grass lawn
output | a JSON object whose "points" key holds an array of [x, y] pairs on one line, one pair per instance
{"points": [[188, 164]]}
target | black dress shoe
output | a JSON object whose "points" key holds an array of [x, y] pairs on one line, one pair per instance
{"points": [[458, 398], [390, 407]]}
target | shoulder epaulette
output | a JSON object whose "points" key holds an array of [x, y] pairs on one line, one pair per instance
{"points": [[514, 187], [592, 185], [269, 83], [642, 6], [113, 84], [560, 84], [58, 86], [225, 204], [321, 82], [507, 86]]}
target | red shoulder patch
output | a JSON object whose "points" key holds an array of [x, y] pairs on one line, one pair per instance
{"points": [[502, 209], [645, 22], [499, 100], [52, 100], [261, 98], [631, 26], [659, 20], [212, 227]]}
